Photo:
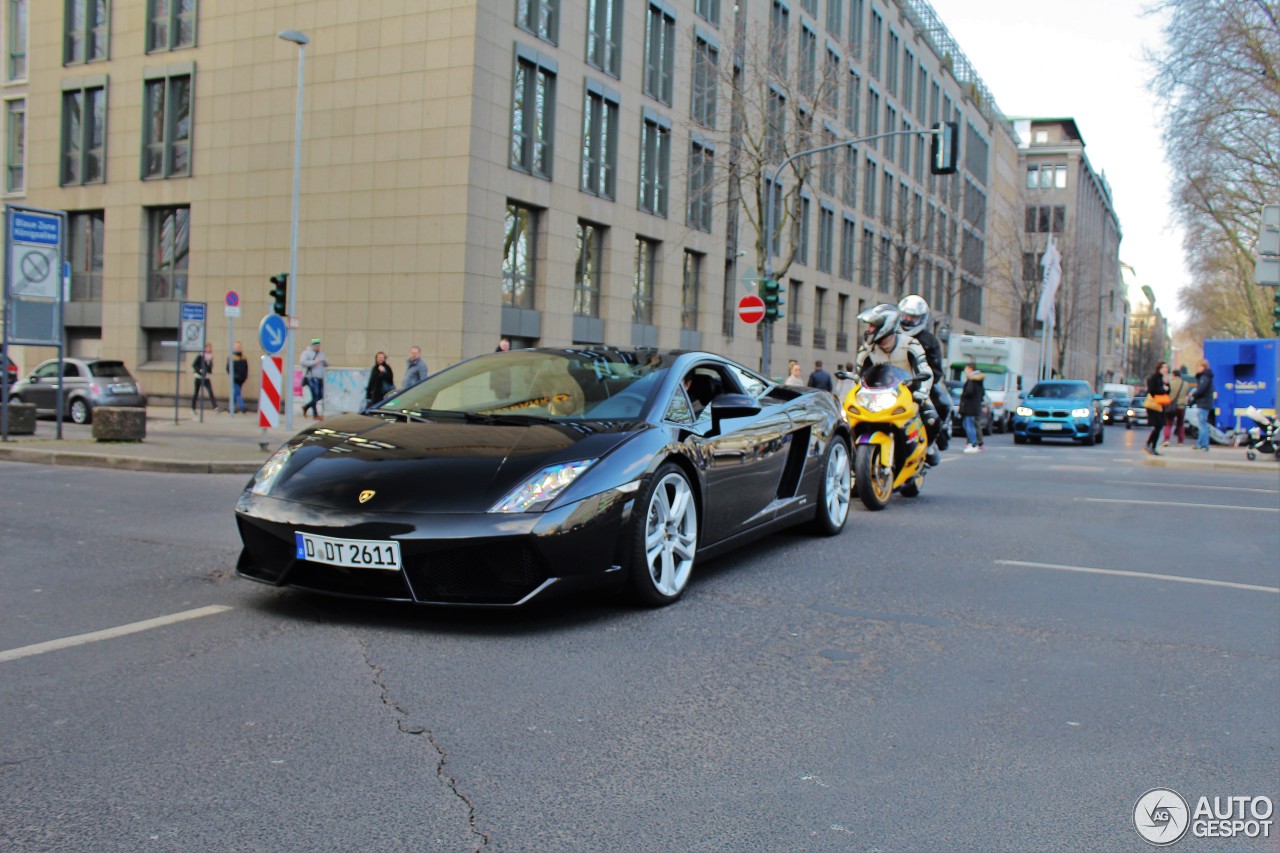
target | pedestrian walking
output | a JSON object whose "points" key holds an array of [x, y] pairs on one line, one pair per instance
{"points": [[819, 378], [203, 367], [382, 380], [415, 369], [1157, 398], [1202, 398], [1175, 414], [794, 378], [971, 406], [313, 363], [238, 367]]}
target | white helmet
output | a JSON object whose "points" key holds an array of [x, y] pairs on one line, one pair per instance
{"points": [[915, 314]]}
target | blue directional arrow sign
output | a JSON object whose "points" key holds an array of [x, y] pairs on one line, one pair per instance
{"points": [[272, 333]]}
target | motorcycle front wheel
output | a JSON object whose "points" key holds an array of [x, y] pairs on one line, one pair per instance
{"points": [[872, 480]]}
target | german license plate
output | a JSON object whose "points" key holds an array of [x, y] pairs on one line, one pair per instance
{"points": [[1050, 427], [351, 553]]}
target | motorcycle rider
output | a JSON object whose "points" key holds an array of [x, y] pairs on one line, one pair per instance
{"points": [[882, 343], [915, 322]]}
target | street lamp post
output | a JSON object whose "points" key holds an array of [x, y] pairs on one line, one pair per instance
{"points": [[766, 334], [301, 40]]}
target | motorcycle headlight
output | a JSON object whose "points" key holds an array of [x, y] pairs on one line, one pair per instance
{"points": [[1080, 413], [539, 490], [876, 399], [270, 471], [1023, 411]]}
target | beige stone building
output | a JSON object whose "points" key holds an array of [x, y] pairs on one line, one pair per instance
{"points": [[552, 171]]}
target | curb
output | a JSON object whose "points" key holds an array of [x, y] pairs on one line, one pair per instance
{"points": [[124, 463], [1211, 465]]}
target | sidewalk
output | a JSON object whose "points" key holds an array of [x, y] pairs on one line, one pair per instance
{"points": [[223, 444], [1219, 458]]}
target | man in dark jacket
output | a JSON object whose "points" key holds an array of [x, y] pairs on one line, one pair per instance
{"points": [[238, 367], [821, 379], [202, 366], [1202, 399]]}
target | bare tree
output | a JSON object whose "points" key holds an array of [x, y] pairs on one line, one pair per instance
{"points": [[1219, 81]]}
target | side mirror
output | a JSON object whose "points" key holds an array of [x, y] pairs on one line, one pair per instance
{"points": [[840, 374], [33, 378], [733, 406]]}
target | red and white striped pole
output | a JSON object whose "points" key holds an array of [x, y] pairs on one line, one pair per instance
{"points": [[269, 397]]}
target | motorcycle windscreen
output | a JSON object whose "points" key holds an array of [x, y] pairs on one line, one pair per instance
{"points": [[885, 376]]}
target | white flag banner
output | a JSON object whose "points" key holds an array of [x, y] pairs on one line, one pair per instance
{"points": [[1051, 260]]}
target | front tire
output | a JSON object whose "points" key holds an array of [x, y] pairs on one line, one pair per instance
{"points": [[833, 492], [665, 537], [873, 480], [79, 411]]}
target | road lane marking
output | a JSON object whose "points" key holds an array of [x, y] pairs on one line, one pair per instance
{"points": [[1191, 486], [1179, 503], [1143, 575], [110, 633]]}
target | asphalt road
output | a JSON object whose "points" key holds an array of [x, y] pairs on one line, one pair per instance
{"points": [[945, 675]]}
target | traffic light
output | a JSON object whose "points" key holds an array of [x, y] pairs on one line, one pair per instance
{"points": [[944, 148], [771, 291], [280, 294], [1275, 312]]}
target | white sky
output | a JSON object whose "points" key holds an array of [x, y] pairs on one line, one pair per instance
{"points": [[1083, 59]]}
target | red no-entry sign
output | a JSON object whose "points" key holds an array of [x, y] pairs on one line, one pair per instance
{"points": [[751, 308]]}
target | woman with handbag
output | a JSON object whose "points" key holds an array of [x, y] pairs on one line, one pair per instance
{"points": [[382, 380], [1157, 398]]}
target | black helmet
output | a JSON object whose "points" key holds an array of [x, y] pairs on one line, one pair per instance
{"points": [[882, 321]]}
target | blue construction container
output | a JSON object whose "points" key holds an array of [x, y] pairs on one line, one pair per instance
{"points": [[1244, 375]]}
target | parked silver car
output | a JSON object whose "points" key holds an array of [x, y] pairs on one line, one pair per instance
{"points": [[86, 384]]}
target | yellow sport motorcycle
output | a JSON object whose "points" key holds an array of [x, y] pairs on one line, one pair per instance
{"points": [[889, 441]]}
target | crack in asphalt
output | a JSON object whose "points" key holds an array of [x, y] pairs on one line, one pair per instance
{"points": [[449, 781]]}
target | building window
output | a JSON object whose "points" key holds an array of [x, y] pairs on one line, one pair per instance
{"points": [[848, 233], [869, 190], [831, 81], [532, 118], [655, 164], [874, 48], [166, 127], [692, 285], [540, 17], [850, 197], [800, 233], [820, 317], [588, 270], [827, 174], [600, 142], [886, 200], [168, 247], [773, 189], [84, 133], [775, 124], [708, 10], [642, 286], [518, 263], [810, 6], [659, 54], [857, 13], [842, 322], [886, 253], [604, 35], [891, 65], [15, 145], [701, 184], [86, 35], [85, 233], [868, 258], [890, 125], [808, 61], [16, 67], [826, 235], [1041, 219], [1046, 177], [706, 71], [171, 24], [853, 102], [873, 115], [908, 80], [779, 22], [835, 22], [795, 331]]}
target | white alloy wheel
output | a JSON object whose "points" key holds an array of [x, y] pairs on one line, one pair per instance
{"points": [[836, 489], [670, 529]]}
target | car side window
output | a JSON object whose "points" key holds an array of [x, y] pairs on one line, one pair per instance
{"points": [[752, 385], [678, 410], [47, 371], [70, 371]]}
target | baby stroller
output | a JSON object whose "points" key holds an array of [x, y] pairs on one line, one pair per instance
{"points": [[1263, 438]]}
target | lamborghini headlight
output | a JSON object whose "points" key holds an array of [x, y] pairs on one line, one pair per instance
{"points": [[270, 471], [539, 490]]}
